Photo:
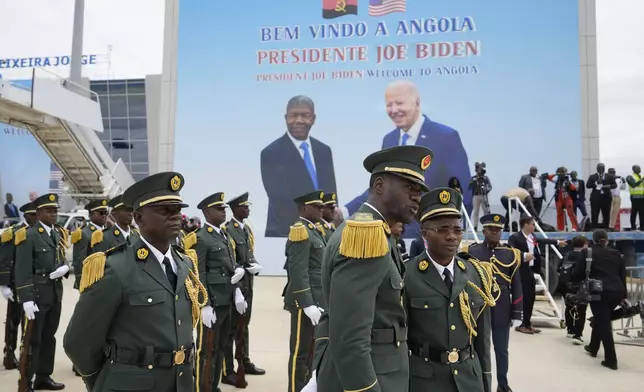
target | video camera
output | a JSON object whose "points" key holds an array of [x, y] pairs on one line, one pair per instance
{"points": [[623, 312]]}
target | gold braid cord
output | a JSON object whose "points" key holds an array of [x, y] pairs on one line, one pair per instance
{"points": [[486, 273], [251, 239], [194, 289]]}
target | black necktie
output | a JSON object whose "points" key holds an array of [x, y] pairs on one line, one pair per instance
{"points": [[448, 279], [172, 277]]}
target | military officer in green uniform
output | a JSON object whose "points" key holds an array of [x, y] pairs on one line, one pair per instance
{"points": [[244, 239], [40, 265], [132, 326], [303, 295], [8, 287], [121, 231], [507, 291], [85, 238], [219, 274], [326, 225], [447, 298], [361, 344]]}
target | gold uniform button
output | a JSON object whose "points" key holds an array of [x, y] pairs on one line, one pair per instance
{"points": [[397, 344], [178, 322], [451, 305], [149, 300], [180, 374], [453, 327], [426, 306], [456, 372], [176, 297], [150, 367]]}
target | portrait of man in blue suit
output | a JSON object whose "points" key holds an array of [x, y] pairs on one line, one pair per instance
{"points": [[415, 128]]}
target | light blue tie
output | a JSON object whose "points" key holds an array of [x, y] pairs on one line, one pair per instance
{"points": [[403, 141], [309, 164]]}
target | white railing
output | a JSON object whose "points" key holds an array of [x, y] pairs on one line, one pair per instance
{"points": [[469, 225]]}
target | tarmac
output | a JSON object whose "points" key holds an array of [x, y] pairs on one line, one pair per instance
{"points": [[543, 362]]}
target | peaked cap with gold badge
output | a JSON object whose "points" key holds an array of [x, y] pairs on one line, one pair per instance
{"points": [[214, 200], [157, 189], [46, 200], [116, 203], [493, 220], [315, 197], [28, 209], [440, 202], [96, 205], [241, 200], [330, 199], [408, 162]]}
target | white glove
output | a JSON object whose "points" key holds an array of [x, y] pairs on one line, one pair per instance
{"points": [[59, 273], [254, 268], [208, 316], [314, 313], [240, 303], [312, 386], [238, 275], [6, 293], [516, 323], [30, 309]]}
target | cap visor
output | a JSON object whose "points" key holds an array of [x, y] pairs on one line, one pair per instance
{"points": [[168, 203], [415, 180]]}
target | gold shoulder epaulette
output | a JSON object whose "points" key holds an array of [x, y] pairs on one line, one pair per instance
{"points": [[298, 233], [7, 235], [364, 239], [93, 270], [19, 236], [320, 228], [97, 237], [190, 240], [77, 235]]}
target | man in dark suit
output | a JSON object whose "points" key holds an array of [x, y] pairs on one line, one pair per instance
{"points": [[414, 128], [578, 195], [293, 165], [600, 196], [531, 261], [10, 209], [536, 186]]}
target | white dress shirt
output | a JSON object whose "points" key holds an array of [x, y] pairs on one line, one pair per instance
{"points": [[536, 186], [441, 269], [47, 228], [375, 209], [529, 238], [126, 234], [241, 224], [413, 132], [618, 190], [298, 143], [217, 229], [160, 256]]}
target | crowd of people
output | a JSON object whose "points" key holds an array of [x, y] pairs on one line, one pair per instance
{"points": [[149, 277]]}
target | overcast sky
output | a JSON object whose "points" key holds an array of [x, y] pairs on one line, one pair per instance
{"points": [[620, 62]]}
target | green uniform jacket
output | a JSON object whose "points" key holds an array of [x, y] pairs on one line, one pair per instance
{"points": [[303, 265], [82, 242], [436, 321], [37, 257], [7, 255], [132, 312], [244, 244], [216, 265], [113, 237], [365, 347]]}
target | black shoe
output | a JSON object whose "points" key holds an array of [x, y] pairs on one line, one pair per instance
{"points": [[48, 384], [610, 366], [253, 370], [230, 379], [590, 351], [10, 362]]}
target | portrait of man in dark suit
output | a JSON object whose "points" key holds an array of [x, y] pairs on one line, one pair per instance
{"points": [[293, 165], [412, 127]]}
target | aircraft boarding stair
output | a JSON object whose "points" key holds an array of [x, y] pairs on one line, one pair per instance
{"points": [[62, 116]]}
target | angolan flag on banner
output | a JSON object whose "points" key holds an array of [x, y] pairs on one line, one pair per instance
{"points": [[337, 8], [384, 7]]}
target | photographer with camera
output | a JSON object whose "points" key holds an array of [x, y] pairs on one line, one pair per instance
{"points": [[563, 200], [575, 312], [480, 186], [608, 268]]}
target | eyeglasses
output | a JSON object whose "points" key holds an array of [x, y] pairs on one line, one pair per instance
{"points": [[445, 230]]}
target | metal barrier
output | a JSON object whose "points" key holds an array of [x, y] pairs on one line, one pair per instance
{"points": [[632, 329]]}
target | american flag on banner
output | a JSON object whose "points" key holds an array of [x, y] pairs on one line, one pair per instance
{"points": [[55, 179], [384, 7]]}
